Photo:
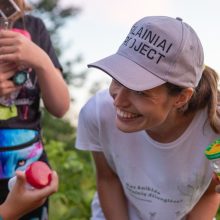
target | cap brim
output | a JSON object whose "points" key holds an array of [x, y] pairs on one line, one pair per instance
{"points": [[128, 73]]}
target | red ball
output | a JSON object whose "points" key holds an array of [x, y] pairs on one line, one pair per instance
{"points": [[38, 174]]}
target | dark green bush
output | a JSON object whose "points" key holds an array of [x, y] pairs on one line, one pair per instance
{"points": [[75, 169]]}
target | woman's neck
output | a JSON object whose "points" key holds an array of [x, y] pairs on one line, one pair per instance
{"points": [[172, 129]]}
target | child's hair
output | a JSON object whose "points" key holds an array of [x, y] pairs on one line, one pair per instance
{"points": [[205, 94], [23, 6]]}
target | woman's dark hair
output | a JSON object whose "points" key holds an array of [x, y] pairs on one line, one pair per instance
{"points": [[205, 94]]}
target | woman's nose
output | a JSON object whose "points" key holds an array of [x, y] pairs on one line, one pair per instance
{"points": [[121, 97]]}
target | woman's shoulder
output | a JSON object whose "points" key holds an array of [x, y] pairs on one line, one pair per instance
{"points": [[101, 98], [100, 102]]}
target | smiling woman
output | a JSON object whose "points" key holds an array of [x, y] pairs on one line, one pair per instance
{"points": [[153, 125], [140, 110]]}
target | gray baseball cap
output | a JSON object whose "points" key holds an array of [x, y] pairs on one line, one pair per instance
{"points": [[157, 49]]}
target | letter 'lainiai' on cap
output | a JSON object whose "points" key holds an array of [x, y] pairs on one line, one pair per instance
{"points": [[157, 49]]}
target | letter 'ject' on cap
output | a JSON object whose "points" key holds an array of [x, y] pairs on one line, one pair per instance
{"points": [[158, 49]]}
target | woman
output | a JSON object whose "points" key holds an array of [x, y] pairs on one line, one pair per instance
{"points": [[149, 132]]}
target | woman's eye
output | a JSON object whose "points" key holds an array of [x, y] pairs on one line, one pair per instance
{"points": [[139, 92]]}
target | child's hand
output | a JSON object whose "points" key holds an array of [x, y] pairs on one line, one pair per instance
{"points": [[27, 200], [17, 48], [7, 70]]}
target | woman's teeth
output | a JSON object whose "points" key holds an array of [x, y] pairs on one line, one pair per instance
{"points": [[123, 114]]}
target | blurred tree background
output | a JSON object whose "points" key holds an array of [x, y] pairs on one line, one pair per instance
{"points": [[75, 168]]}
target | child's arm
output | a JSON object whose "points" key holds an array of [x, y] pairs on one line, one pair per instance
{"points": [[54, 90], [110, 191]]}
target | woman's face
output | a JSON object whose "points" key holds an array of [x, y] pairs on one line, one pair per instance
{"points": [[149, 110]]}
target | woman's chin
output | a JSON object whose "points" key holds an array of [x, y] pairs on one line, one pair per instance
{"points": [[127, 127]]}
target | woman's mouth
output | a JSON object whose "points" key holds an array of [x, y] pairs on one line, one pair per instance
{"points": [[126, 115]]}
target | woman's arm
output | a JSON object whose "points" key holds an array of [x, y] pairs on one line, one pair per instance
{"points": [[21, 200], [111, 195], [207, 206]]}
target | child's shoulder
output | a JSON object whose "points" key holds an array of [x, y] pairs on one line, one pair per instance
{"points": [[33, 20]]}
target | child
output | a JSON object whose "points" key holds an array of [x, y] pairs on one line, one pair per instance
{"points": [[27, 47]]}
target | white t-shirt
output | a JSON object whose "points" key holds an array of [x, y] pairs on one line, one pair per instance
{"points": [[161, 181]]}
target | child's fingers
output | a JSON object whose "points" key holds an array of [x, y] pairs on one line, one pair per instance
{"points": [[50, 189], [20, 177]]}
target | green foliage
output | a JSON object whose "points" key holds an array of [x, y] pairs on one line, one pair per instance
{"points": [[53, 12], [75, 170]]}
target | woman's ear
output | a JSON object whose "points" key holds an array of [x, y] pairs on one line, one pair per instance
{"points": [[184, 97]]}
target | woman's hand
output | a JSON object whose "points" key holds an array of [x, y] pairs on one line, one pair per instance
{"points": [[217, 181]]}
